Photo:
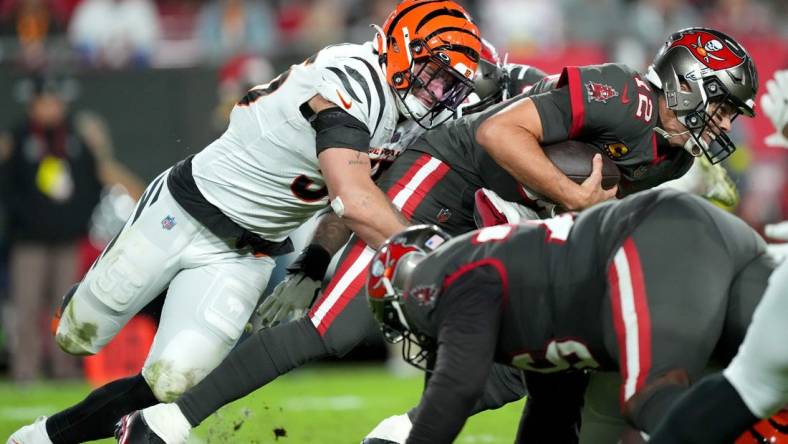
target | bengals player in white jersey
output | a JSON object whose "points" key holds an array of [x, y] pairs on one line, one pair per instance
{"points": [[209, 227]]}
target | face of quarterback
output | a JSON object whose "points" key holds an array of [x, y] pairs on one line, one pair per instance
{"points": [[722, 113]]}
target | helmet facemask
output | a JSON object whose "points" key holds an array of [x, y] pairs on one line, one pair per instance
{"points": [[433, 80], [390, 274], [716, 100], [388, 310]]}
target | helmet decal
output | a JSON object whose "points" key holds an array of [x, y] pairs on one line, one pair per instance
{"points": [[422, 294], [709, 49], [697, 70], [384, 267]]}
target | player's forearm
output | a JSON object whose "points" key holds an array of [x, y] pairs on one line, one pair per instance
{"points": [[331, 233], [369, 213], [441, 416], [519, 153]]}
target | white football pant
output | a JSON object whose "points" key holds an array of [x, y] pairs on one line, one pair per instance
{"points": [[213, 289], [759, 372]]}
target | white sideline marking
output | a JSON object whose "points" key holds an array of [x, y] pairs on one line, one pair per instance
{"points": [[479, 439], [29, 413]]}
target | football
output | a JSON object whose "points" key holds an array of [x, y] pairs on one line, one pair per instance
{"points": [[573, 158]]}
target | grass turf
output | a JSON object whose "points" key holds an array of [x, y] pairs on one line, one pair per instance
{"points": [[320, 405]]}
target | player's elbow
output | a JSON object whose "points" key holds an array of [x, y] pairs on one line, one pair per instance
{"points": [[486, 134], [351, 202]]}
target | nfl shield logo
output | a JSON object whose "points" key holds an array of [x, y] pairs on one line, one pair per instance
{"points": [[168, 222], [443, 215]]}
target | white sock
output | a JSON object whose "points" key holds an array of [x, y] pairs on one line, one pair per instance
{"points": [[167, 421]]}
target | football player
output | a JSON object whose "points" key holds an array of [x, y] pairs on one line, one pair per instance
{"points": [[209, 227], [755, 384], [607, 105], [642, 128], [571, 295], [495, 81]]}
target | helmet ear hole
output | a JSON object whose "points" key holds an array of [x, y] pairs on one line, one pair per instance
{"points": [[684, 85]]}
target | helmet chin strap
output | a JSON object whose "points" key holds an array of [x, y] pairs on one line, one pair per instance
{"points": [[690, 145]]}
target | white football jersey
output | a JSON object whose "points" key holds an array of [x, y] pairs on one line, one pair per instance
{"points": [[263, 172]]}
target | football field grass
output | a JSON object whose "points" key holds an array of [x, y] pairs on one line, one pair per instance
{"points": [[319, 404]]}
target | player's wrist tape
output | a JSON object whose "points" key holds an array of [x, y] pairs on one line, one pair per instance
{"points": [[313, 262]]}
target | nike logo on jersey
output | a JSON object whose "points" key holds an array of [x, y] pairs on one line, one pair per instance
{"points": [[624, 98], [345, 103]]}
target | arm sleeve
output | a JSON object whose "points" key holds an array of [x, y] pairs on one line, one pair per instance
{"points": [[469, 315], [335, 128]]}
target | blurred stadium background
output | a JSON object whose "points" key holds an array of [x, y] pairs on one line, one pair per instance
{"points": [[146, 83]]}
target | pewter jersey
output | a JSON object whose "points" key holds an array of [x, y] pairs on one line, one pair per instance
{"points": [[263, 172], [518, 79]]}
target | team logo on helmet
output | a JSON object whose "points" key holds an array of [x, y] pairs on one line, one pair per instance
{"points": [[384, 266], [600, 92], [423, 294], [709, 50]]}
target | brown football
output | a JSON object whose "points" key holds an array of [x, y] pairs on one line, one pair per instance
{"points": [[573, 158]]}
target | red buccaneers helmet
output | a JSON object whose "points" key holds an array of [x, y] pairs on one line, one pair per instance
{"points": [[697, 67], [390, 271], [773, 430]]}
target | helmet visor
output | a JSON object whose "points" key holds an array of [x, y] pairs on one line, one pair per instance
{"points": [[438, 87]]}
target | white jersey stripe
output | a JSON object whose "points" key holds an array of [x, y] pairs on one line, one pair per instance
{"points": [[630, 321], [360, 265], [402, 197]]}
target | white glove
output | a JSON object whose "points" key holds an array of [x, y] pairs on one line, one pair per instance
{"points": [[290, 300], [777, 231], [392, 430], [775, 106], [778, 251]]}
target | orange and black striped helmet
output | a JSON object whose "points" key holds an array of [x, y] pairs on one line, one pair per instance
{"points": [[426, 41]]}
